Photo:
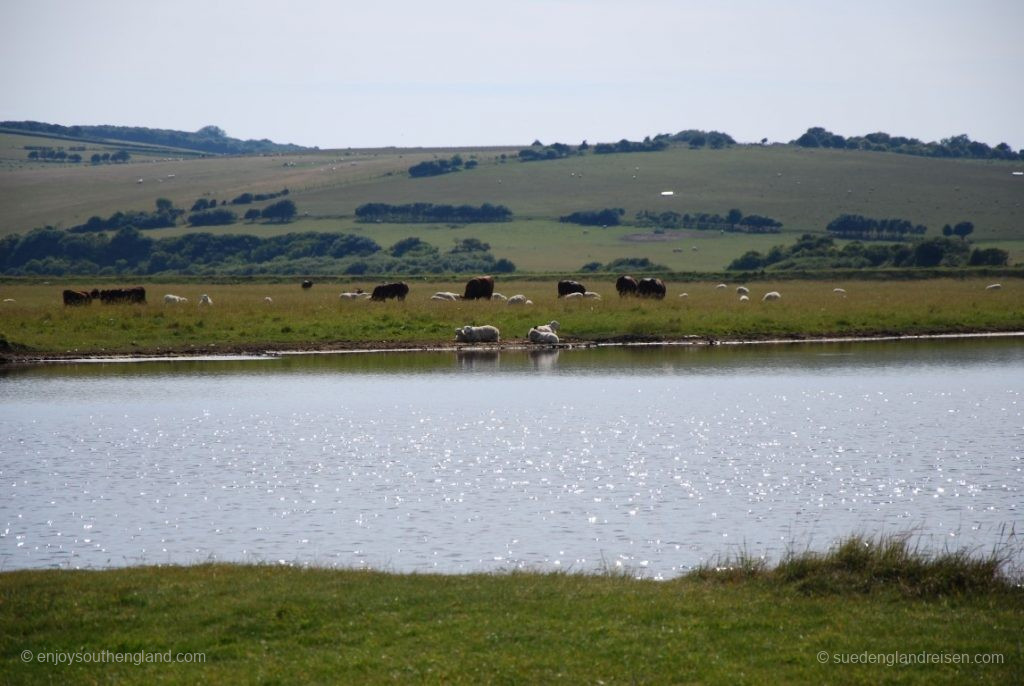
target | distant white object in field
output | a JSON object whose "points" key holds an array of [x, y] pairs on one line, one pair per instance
{"points": [[839, 291], [743, 290], [171, 299], [771, 295], [353, 295], [477, 334], [744, 298], [10, 300], [993, 287], [446, 296], [139, 181], [572, 296], [268, 299], [592, 295], [518, 299], [694, 248], [684, 295], [667, 193], [498, 296], [204, 299], [538, 336], [721, 285], [1020, 173]]}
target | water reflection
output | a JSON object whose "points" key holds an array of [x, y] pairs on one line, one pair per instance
{"points": [[655, 459]]}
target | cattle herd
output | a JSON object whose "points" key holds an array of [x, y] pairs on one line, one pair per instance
{"points": [[135, 294]]}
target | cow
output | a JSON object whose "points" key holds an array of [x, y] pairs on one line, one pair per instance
{"points": [[77, 297], [135, 294], [567, 287], [477, 334], [625, 285], [479, 287], [307, 284], [386, 291], [651, 288]]}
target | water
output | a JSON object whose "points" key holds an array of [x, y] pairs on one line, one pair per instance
{"points": [[652, 459]]}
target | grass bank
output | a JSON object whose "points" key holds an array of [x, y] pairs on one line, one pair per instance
{"points": [[35, 323], [843, 617]]}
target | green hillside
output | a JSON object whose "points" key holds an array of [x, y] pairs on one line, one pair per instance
{"points": [[803, 188]]}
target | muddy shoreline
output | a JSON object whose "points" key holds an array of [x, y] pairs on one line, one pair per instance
{"points": [[216, 351]]}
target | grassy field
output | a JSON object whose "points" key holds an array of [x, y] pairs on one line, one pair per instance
{"points": [[803, 188], [805, 621], [240, 319]]}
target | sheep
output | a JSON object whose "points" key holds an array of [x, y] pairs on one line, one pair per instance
{"points": [[839, 291], [721, 285], [551, 326], [592, 295], [684, 295], [498, 296], [354, 295], [538, 336], [771, 295], [518, 299], [204, 299], [742, 290], [573, 296], [993, 287], [446, 296], [10, 300], [171, 299], [744, 298], [477, 334], [268, 299]]}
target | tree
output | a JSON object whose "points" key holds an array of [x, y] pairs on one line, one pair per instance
{"points": [[281, 211], [252, 214], [963, 229], [947, 230], [163, 205], [734, 216]]}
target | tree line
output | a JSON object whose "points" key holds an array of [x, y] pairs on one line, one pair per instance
{"points": [[422, 212], [610, 216], [866, 228], [820, 252], [50, 251], [438, 167], [734, 221], [954, 146]]}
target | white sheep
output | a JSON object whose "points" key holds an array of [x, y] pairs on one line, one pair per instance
{"points": [[573, 296], [993, 287], [538, 336], [771, 295], [592, 295], [477, 334], [498, 296], [551, 326], [839, 291], [742, 290], [268, 299], [171, 299], [204, 299], [721, 285], [684, 295], [446, 296], [356, 295], [744, 298], [519, 299]]}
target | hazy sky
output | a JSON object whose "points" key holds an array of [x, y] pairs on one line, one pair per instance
{"points": [[493, 72]]}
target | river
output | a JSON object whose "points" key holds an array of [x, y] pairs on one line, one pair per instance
{"points": [[652, 459]]}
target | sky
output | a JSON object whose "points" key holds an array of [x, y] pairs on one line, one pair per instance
{"points": [[447, 73]]}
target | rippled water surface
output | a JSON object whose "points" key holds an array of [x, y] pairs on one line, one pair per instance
{"points": [[653, 459]]}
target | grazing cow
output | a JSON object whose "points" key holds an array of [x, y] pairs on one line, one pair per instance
{"points": [[477, 334], [651, 288], [518, 299], [77, 297], [307, 284], [171, 299], [625, 285], [771, 295], [204, 299], [536, 335], [479, 288], [446, 296], [567, 287], [993, 287], [742, 290], [386, 291], [136, 294]]}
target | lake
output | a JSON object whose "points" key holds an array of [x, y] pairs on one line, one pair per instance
{"points": [[649, 459]]}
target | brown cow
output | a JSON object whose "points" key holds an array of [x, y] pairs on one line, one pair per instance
{"points": [[77, 297], [651, 288], [390, 290], [625, 285], [479, 287], [567, 287], [135, 294]]}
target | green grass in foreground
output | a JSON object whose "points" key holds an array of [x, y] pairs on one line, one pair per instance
{"points": [[801, 622], [240, 318]]}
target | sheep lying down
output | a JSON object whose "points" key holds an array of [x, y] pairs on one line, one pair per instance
{"points": [[477, 334]]}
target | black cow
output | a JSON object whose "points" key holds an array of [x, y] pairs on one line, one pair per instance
{"points": [[77, 297], [135, 294], [307, 284], [479, 288], [651, 288], [390, 290], [625, 285], [567, 287]]}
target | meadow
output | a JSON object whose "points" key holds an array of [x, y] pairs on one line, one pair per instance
{"points": [[36, 323], [846, 616]]}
